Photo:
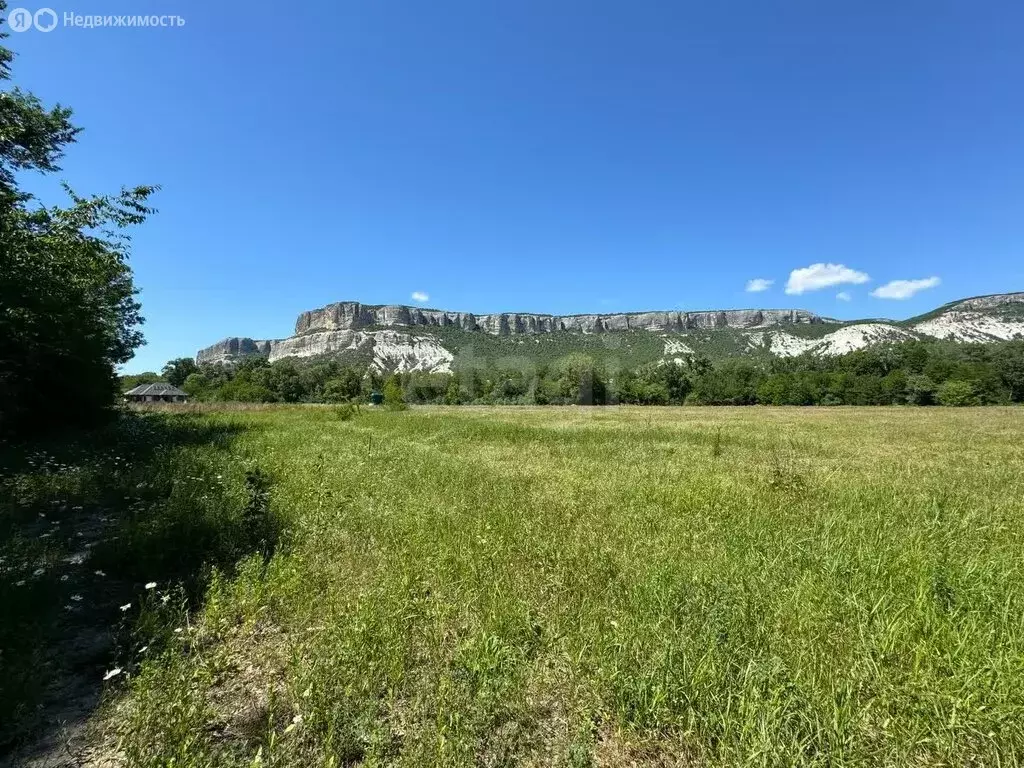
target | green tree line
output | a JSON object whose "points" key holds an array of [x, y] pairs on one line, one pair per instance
{"points": [[911, 373]]}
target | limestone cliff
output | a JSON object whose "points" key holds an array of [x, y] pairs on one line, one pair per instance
{"points": [[233, 348], [353, 315], [331, 329], [386, 350], [395, 337], [982, 303]]}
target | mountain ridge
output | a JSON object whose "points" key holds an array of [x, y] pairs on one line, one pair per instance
{"points": [[403, 337], [353, 315]]}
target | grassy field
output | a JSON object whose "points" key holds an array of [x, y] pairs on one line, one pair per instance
{"points": [[548, 586]]}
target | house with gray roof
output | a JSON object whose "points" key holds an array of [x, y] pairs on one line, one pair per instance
{"points": [[156, 393]]}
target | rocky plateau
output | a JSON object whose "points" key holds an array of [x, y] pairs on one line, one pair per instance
{"points": [[405, 338]]}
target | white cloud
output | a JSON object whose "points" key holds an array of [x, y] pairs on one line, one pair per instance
{"points": [[904, 289], [844, 296], [759, 284], [819, 276], [420, 296]]}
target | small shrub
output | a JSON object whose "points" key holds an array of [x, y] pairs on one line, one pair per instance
{"points": [[394, 400], [347, 411], [958, 393]]}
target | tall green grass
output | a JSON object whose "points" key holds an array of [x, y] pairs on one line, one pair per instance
{"points": [[580, 587], [96, 530]]}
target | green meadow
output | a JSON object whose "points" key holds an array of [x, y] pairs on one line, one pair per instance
{"points": [[522, 586]]}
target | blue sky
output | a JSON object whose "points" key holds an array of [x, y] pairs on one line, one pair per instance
{"points": [[547, 156]]}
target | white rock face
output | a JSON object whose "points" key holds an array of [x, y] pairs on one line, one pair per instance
{"points": [[391, 350], [839, 342], [971, 326], [675, 347], [780, 343], [852, 337], [402, 352], [989, 302]]}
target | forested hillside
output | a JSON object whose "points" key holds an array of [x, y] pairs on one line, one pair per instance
{"points": [[916, 373]]}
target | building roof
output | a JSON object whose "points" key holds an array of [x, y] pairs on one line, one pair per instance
{"points": [[159, 388]]}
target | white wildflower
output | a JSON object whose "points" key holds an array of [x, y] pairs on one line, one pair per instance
{"points": [[125, 607], [77, 598], [112, 673], [99, 573], [150, 585]]}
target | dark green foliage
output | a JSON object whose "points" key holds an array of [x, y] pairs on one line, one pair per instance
{"points": [[734, 382], [176, 371], [915, 373], [920, 390], [620, 349], [69, 314], [452, 395], [345, 386], [1008, 362], [579, 380], [134, 380]]}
